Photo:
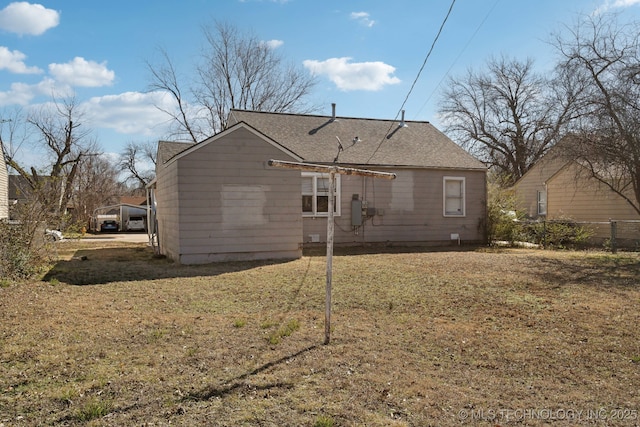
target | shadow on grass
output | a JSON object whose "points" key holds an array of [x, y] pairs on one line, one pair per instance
{"points": [[234, 384], [96, 266], [239, 382], [320, 249], [136, 262], [601, 272]]}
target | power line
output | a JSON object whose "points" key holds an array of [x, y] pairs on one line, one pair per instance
{"points": [[424, 63], [427, 57], [459, 55]]}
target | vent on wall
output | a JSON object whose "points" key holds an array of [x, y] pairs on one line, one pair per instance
{"points": [[314, 238]]}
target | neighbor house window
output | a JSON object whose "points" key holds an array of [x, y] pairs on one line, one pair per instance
{"points": [[315, 194], [453, 196], [542, 202]]}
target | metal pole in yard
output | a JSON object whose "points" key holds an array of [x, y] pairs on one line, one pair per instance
{"points": [[614, 232], [332, 170], [327, 309]]}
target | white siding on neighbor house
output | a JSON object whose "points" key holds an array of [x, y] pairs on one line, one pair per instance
{"points": [[408, 209], [4, 188], [231, 205]]}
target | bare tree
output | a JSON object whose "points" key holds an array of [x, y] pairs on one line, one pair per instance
{"points": [[138, 161], [14, 130], [236, 70], [58, 128], [184, 119], [507, 115], [96, 184], [604, 56]]}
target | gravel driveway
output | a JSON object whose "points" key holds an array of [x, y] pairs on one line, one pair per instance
{"points": [[122, 237]]}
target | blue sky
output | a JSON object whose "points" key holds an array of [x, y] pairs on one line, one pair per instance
{"points": [[365, 53]]}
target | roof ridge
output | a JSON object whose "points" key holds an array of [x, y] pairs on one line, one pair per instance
{"points": [[323, 116]]}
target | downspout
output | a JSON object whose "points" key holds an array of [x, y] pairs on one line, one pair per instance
{"points": [[152, 218], [486, 210], [148, 194]]}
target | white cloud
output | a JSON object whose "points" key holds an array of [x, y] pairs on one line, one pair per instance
{"points": [[18, 94], [64, 77], [616, 4], [273, 44], [363, 18], [48, 87], [81, 72], [26, 18], [13, 61], [129, 112], [348, 76], [23, 93]]}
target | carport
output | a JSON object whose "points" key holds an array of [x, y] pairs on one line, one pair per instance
{"points": [[120, 212]]}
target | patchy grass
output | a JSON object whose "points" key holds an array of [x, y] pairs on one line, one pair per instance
{"points": [[286, 330], [418, 338], [93, 409], [239, 323]]}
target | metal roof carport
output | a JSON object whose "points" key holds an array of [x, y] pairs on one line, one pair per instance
{"points": [[122, 211]]}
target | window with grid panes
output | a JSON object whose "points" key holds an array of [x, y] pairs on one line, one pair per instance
{"points": [[315, 194], [453, 196]]}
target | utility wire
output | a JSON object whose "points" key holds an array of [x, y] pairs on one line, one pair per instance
{"points": [[459, 56], [424, 63]]}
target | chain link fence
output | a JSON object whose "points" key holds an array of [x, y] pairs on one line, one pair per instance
{"points": [[624, 234]]}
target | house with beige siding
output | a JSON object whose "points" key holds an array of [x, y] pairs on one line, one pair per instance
{"points": [[558, 187], [531, 189], [4, 187], [220, 200]]}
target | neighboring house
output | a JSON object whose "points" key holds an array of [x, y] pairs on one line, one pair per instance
{"points": [[219, 199], [557, 187], [4, 187], [531, 189], [134, 200], [19, 192]]}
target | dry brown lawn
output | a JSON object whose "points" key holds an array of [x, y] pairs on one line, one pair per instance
{"points": [[457, 337]]}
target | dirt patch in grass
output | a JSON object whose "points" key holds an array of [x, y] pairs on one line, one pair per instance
{"points": [[114, 336]]}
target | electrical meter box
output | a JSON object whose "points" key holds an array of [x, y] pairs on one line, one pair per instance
{"points": [[356, 213]]}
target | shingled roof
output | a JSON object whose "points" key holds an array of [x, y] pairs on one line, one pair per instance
{"points": [[372, 142], [168, 149]]}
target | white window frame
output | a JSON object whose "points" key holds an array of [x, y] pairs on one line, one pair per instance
{"points": [[462, 197], [315, 194], [540, 203]]}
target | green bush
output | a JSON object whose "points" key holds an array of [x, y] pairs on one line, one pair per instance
{"points": [[559, 234], [21, 255], [501, 214], [69, 225], [504, 222]]}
